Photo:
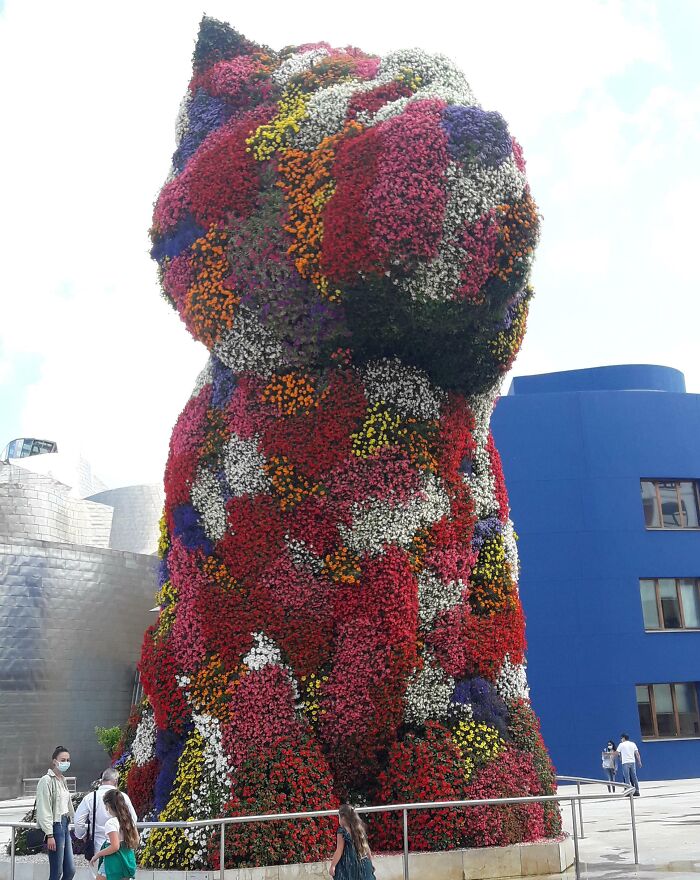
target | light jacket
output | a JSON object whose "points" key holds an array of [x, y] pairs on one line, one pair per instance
{"points": [[48, 802]]}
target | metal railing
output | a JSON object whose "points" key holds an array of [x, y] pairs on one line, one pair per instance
{"points": [[404, 809]]}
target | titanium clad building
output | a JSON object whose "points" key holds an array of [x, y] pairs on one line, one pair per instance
{"points": [[72, 614], [603, 470]]}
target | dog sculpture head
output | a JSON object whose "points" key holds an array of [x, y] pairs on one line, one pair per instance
{"points": [[323, 200]]}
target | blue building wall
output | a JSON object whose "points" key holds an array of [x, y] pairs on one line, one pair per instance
{"points": [[574, 447]]}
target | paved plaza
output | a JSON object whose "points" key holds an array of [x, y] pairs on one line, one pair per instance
{"points": [[668, 832]]}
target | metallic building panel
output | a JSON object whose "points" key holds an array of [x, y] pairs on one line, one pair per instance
{"points": [[71, 623], [136, 517]]}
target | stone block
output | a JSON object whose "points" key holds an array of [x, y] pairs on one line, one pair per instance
{"points": [[436, 865], [267, 872], [388, 867], [202, 875], [491, 862], [540, 858], [144, 874], [567, 853], [304, 871]]}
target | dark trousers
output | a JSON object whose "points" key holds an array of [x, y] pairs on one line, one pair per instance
{"points": [[612, 772], [61, 865]]}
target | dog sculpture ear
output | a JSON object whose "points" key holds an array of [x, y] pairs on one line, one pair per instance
{"points": [[218, 41]]}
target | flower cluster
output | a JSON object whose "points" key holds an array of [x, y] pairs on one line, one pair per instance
{"points": [[351, 238]]}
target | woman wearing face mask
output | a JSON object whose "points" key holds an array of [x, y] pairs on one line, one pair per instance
{"points": [[54, 811]]}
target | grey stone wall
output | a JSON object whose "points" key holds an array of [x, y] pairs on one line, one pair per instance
{"points": [[71, 623]]}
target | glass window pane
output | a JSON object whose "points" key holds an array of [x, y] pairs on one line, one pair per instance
{"points": [[645, 720], [689, 504], [670, 512], [690, 597], [651, 507], [665, 719], [687, 715], [649, 607], [670, 609]]}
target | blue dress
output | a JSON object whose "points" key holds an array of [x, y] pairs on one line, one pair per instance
{"points": [[350, 867]]}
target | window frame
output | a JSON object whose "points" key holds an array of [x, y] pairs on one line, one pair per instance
{"points": [[659, 609], [674, 703], [655, 481]]}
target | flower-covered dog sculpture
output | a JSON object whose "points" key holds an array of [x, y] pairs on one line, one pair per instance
{"points": [[351, 238]]}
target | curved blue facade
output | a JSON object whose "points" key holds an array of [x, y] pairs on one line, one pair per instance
{"points": [[575, 446]]}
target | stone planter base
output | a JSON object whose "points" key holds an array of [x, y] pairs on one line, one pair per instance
{"points": [[489, 863]]}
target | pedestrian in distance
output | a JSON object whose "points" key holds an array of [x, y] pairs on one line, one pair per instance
{"points": [[630, 760], [54, 812], [610, 756], [117, 858], [352, 859], [93, 804]]}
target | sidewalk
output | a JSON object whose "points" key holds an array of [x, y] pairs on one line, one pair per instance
{"points": [[668, 833]]}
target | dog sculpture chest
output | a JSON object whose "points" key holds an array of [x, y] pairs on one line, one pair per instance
{"points": [[351, 238]]}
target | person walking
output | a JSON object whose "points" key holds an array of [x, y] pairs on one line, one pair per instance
{"points": [[352, 859], [93, 803], [117, 858], [610, 763], [54, 811], [630, 759]]}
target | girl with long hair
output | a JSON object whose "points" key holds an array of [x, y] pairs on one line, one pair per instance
{"points": [[117, 857], [352, 859]]}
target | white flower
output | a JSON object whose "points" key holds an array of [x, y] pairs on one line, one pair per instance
{"points": [[376, 523], [406, 389], [435, 596], [511, 682], [250, 346], [263, 653], [143, 748], [243, 466], [208, 501], [325, 114], [205, 377], [303, 556], [296, 64], [482, 407], [511, 549], [428, 693], [482, 485]]}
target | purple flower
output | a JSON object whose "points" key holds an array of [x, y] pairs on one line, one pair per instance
{"points": [[204, 114], [478, 134], [223, 382], [169, 747], [485, 529], [188, 528], [177, 240], [486, 705]]}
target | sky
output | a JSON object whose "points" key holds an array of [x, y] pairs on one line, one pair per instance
{"points": [[603, 96]]}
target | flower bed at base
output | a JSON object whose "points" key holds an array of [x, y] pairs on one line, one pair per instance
{"points": [[351, 237]]}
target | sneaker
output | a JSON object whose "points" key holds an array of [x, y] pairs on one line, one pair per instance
{"points": [[636, 794]]}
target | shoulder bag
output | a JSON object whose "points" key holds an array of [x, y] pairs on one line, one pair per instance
{"points": [[89, 850]]}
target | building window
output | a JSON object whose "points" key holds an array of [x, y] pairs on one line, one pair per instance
{"points": [[670, 603], [671, 504], [667, 710]]}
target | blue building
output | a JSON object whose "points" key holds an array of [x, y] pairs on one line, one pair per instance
{"points": [[603, 470]]}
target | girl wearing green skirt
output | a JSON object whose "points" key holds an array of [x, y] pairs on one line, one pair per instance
{"points": [[117, 857]]}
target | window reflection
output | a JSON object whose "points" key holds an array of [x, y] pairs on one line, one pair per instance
{"points": [[670, 504]]}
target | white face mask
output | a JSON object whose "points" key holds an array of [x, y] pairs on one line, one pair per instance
{"points": [[63, 766]]}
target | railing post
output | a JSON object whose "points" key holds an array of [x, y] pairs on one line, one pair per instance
{"points": [[634, 830], [222, 853], [580, 809], [405, 845], [576, 859], [12, 854]]}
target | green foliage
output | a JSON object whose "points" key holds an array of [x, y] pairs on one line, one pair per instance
{"points": [[109, 738]]}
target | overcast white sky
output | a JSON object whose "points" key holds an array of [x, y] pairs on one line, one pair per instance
{"points": [[604, 97]]}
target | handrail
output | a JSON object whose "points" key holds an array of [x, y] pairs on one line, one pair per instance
{"points": [[404, 808]]}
